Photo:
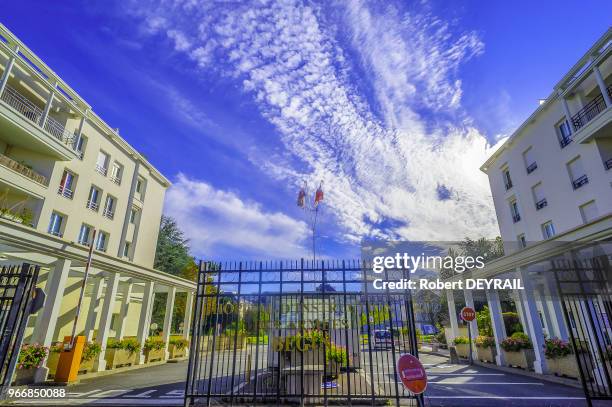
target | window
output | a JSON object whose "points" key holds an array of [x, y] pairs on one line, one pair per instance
{"points": [[101, 241], [564, 133], [548, 230], [116, 173], [56, 224], [538, 196], [79, 146], [507, 179], [84, 234], [67, 184], [93, 201], [514, 210], [140, 188], [589, 211], [577, 174], [102, 163], [109, 207], [126, 249], [522, 241], [134, 215], [529, 159]]}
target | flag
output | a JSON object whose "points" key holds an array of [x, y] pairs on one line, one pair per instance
{"points": [[301, 197], [319, 195]]}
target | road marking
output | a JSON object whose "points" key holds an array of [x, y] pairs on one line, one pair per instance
{"points": [[508, 397], [141, 395], [174, 394], [83, 394], [113, 392], [467, 374]]}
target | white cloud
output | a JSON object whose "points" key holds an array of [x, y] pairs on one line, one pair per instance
{"points": [[216, 220], [380, 159]]}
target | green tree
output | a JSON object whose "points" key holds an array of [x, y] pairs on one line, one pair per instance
{"points": [[172, 253], [483, 319]]}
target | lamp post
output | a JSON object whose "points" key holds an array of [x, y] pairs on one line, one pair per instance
{"points": [[312, 207]]}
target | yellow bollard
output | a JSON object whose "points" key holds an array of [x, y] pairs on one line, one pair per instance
{"points": [[70, 361]]}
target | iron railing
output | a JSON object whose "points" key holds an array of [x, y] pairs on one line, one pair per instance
{"points": [[590, 110], [92, 205], [580, 181], [23, 170], [565, 141], [541, 204], [532, 167], [108, 213], [102, 170], [608, 164], [65, 191], [516, 217]]}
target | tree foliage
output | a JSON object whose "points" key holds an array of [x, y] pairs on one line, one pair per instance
{"points": [[172, 253]]}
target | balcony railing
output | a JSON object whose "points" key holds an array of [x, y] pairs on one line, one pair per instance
{"points": [[65, 191], [33, 113], [92, 205], [23, 170], [508, 185], [564, 141], [108, 213], [56, 233], [578, 182], [541, 204], [590, 111], [116, 180], [608, 164], [102, 170], [516, 217], [532, 167]]}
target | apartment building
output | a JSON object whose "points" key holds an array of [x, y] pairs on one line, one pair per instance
{"points": [[65, 173], [551, 183]]}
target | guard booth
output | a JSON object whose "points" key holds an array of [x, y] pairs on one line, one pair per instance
{"points": [[297, 333], [17, 290]]}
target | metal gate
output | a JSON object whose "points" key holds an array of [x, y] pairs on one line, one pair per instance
{"points": [[297, 332], [17, 285], [585, 288]]}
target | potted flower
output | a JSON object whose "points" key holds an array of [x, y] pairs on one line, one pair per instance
{"points": [[177, 347], [30, 359], [559, 358], [335, 358], [121, 352], [518, 350], [485, 348], [88, 358], [462, 345], [154, 349]]}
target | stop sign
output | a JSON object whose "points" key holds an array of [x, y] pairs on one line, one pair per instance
{"points": [[412, 373], [468, 314]]}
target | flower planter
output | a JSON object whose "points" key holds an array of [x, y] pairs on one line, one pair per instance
{"points": [[485, 354], [119, 357], [87, 366], [52, 361], [228, 342], [463, 350], [175, 352], [154, 355], [24, 376], [311, 357], [565, 366], [523, 358]]}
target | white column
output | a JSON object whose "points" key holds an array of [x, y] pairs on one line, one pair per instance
{"points": [[7, 71], [92, 314], [168, 317], [469, 302], [566, 110], [145, 316], [543, 307], [126, 293], [602, 86], [45, 114], [452, 315], [555, 308], [44, 330], [105, 318], [497, 322], [188, 312], [532, 318]]}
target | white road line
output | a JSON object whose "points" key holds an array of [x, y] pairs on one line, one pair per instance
{"points": [[486, 383], [83, 394], [466, 374], [508, 397], [141, 395]]}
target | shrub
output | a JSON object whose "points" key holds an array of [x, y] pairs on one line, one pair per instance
{"points": [[556, 348], [32, 356], [337, 354], [512, 322], [460, 340], [57, 347], [483, 320], [90, 351], [154, 344], [129, 344], [179, 343], [516, 342], [485, 341], [441, 337]]}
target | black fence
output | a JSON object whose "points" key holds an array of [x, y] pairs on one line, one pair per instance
{"points": [[585, 288], [17, 285], [297, 332]]}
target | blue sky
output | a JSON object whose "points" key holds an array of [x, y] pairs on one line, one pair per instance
{"points": [[394, 105]]}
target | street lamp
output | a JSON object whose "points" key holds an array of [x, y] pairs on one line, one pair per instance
{"points": [[313, 209]]}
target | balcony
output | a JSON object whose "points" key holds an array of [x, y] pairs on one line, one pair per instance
{"points": [[23, 116], [508, 185], [516, 218], [102, 170], [23, 169], [541, 204], [608, 164], [110, 214], [579, 182], [65, 192], [565, 141], [116, 180], [532, 167], [590, 111], [92, 205]]}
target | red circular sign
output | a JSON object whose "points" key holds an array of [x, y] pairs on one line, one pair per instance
{"points": [[412, 373], [468, 314]]}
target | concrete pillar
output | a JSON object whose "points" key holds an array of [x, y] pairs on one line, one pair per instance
{"points": [[7, 71], [44, 330], [452, 315], [168, 317], [106, 314], [93, 310], [469, 302], [497, 322], [145, 316], [543, 307], [48, 104], [602, 86], [188, 312], [126, 293], [555, 308], [566, 110], [532, 319]]}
